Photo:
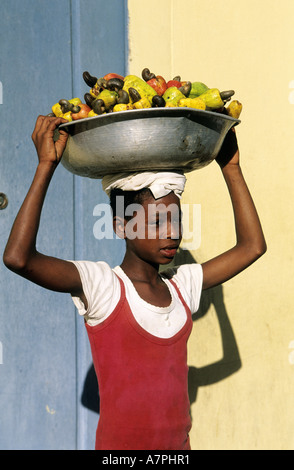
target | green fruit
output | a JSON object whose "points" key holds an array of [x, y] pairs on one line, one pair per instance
{"points": [[109, 97], [172, 96], [212, 98], [145, 90], [197, 89], [215, 99]]}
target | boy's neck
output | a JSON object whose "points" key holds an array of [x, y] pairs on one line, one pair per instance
{"points": [[140, 270]]}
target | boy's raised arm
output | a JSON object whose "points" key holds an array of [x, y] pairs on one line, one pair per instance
{"points": [[250, 242], [20, 254]]}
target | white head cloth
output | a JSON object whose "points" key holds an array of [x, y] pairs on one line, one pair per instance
{"points": [[160, 183]]}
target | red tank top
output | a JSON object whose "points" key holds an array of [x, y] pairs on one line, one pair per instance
{"points": [[143, 383]]}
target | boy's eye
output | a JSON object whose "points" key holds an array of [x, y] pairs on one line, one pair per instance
{"points": [[154, 222], [158, 222]]}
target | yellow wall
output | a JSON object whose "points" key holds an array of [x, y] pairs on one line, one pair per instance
{"points": [[246, 45]]}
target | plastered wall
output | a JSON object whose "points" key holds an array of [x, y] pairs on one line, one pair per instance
{"points": [[241, 352]]}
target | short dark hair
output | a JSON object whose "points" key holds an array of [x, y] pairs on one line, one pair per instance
{"points": [[129, 197]]}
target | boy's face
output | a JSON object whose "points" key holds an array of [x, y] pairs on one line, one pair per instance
{"points": [[154, 232]]}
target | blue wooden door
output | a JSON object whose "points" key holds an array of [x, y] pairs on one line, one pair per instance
{"points": [[48, 393]]}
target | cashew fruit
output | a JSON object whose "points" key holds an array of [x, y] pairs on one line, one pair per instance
{"points": [[215, 99], [234, 109], [197, 89], [75, 101], [109, 97], [56, 110], [113, 92], [172, 96], [123, 107], [145, 90], [174, 83], [142, 103], [83, 112], [196, 103], [92, 113], [67, 116], [159, 84]]}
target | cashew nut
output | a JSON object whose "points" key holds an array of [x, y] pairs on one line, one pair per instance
{"points": [[158, 101], [88, 99], [123, 97], [98, 106], [226, 95], [65, 106], [147, 75], [115, 84], [134, 95], [186, 88], [89, 79]]}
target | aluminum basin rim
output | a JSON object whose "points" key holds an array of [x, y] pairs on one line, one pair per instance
{"points": [[148, 113]]}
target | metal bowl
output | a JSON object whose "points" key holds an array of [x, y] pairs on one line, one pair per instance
{"points": [[167, 139]]}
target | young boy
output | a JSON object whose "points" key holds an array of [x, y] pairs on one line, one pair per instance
{"points": [[138, 320]]}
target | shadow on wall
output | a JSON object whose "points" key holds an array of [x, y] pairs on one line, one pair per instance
{"points": [[198, 377]]}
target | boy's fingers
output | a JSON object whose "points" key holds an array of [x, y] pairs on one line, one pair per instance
{"points": [[61, 142], [51, 122], [47, 123], [63, 136], [41, 125], [38, 124]]}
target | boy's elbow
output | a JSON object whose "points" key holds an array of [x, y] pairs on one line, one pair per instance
{"points": [[13, 262], [251, 251], [258, 250], [262, 247]]}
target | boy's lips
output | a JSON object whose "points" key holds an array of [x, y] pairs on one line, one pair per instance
{"points": [[169, 251]]}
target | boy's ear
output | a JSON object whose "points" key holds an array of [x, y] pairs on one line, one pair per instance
{"points": [[119, 225]]}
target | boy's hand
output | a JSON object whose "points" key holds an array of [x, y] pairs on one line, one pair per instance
{"points": [[47, 149], [229, 152]]}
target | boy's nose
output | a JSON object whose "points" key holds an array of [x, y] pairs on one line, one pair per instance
{"points": [[174, 231]]}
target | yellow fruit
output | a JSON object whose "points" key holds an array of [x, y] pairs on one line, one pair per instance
{"points": [[196, 103], [67, 116], [142, 103], [212, 98], [172, 96], [123, 107], [109, 98], [56, 109], [145, 90], [94, 92], [234, 109], [92, 113], [75, 101]]}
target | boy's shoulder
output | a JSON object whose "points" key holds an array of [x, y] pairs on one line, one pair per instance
{"points": [[93, 269], [189, 279], [92, 264], [182, 271]]}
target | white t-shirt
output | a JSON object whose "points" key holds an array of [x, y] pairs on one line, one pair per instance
{"points": [[102, 290]]}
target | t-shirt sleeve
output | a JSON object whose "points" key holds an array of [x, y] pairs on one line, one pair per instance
{"points": [[101, 288], [189, 279]]}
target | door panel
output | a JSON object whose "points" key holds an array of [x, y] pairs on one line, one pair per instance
{"points": [[44, 352]]}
